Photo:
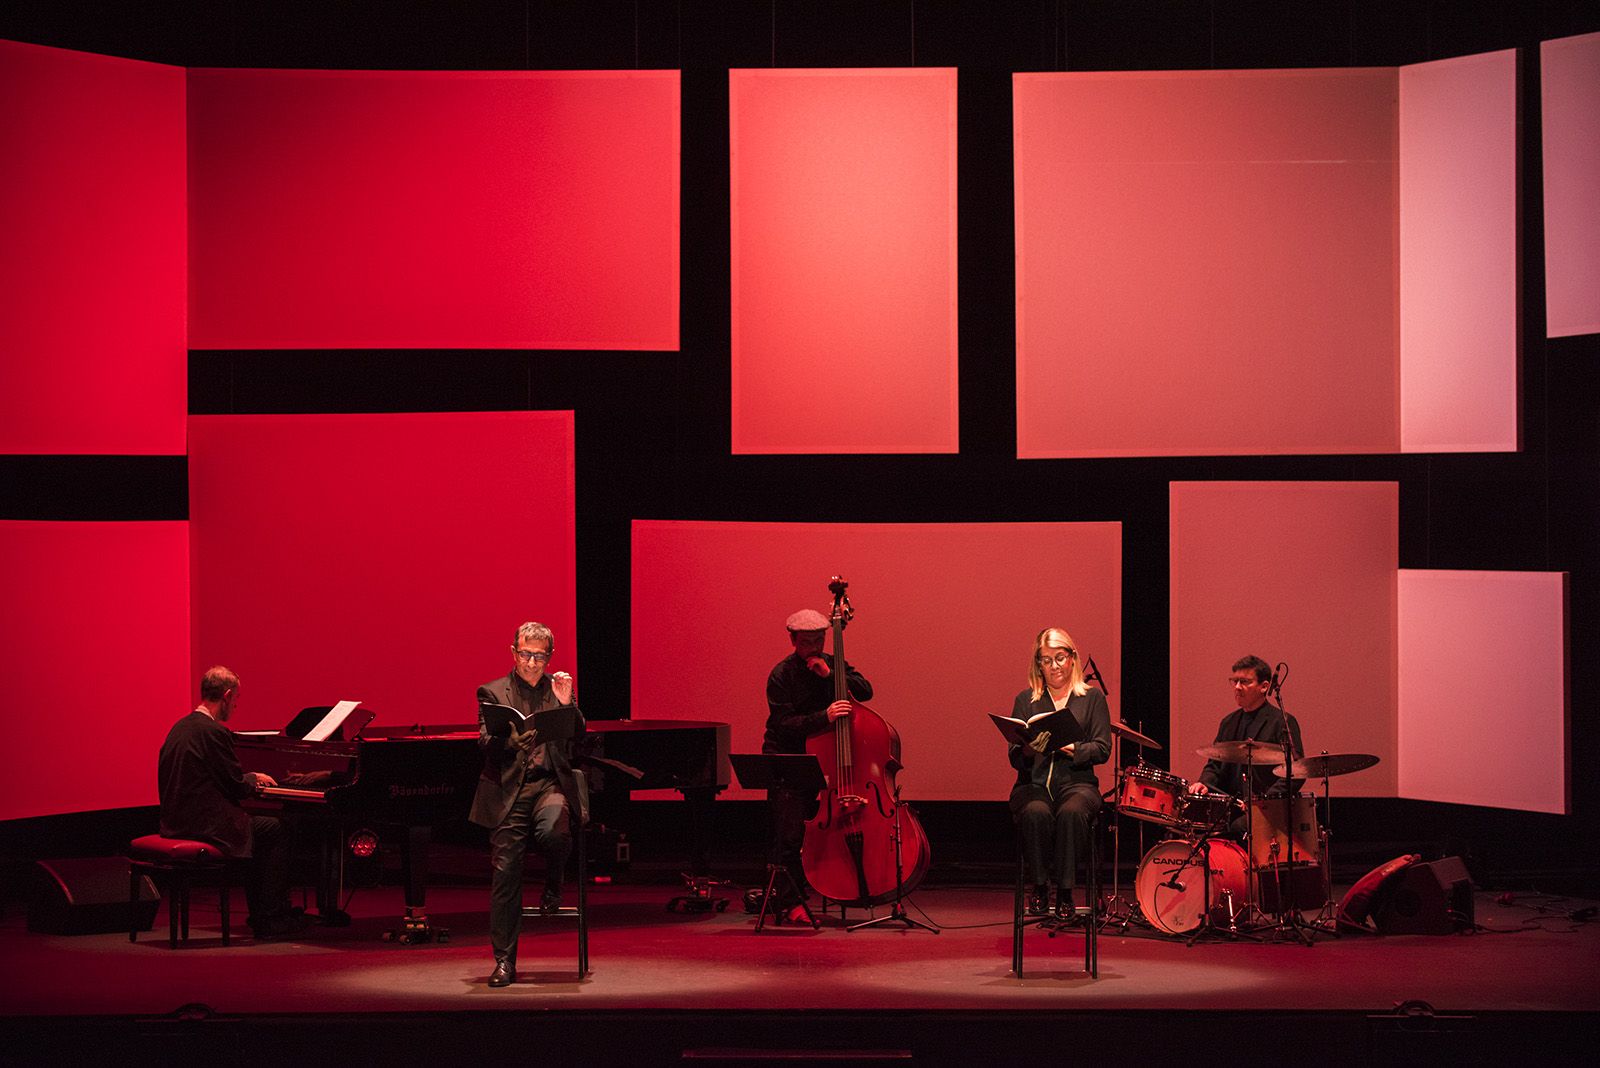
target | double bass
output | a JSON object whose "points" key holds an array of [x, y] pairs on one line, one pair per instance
{"points": [[863, 847]]}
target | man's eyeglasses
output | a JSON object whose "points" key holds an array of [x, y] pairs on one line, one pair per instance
{"points": [[1251, 681], [532, 656], [1059, 660]]}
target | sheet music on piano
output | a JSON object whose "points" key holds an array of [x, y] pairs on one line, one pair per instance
{"points": [[331, 722]]}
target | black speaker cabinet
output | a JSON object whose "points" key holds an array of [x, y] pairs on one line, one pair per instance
{"points": [[1434, 898], [89, 895]]}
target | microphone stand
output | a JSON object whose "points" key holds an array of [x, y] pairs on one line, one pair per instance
{"points": [[1289, 918]]}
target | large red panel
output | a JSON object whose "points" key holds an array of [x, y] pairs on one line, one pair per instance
{"points": [[1569, 83], [844, 260], [1299, 572], [946, 614], [380, 558], [420, 209], [1458, 254], [92, 284], [1470, 743], [1205, 263], [94, 662]]}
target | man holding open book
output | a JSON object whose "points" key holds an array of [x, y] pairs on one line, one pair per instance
{"points": [[1062, 728], [527, 788]]}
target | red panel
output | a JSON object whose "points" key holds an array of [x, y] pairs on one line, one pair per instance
{"points": [[372, 209], [94, 651], [1448, 722], [1458, 254], [1300, 572], [92, 353], [946, 614], [1206, 263], [380, 558], [844, 260], [1569, 82]]}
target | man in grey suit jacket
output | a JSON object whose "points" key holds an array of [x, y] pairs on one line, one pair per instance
{"points": [[527, 790]]}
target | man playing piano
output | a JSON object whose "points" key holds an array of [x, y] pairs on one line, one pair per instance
{"points": [[526, 790], [201, 784]]}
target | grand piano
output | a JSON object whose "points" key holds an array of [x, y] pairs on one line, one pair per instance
{"points": [[407, 780]]}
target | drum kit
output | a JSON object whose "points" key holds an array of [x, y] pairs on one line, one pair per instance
{"points": [[1196, 881]]}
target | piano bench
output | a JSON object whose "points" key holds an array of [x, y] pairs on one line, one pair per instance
{"points": [[175, 863]]}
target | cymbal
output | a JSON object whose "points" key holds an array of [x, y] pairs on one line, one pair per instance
{"points": [[1134, 736], [1248, 751], [1319, 767]]}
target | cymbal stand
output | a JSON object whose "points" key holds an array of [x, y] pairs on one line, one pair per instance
{"points": [[1207, 925], [1289, 919], [1116, 909], [1327, 918]]}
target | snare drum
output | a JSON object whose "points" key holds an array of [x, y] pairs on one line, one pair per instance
{"points": [[1151, 794], [1210, 811], [1171, 883]]}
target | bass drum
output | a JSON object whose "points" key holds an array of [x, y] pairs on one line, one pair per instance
{"points": [[1171, 884]]}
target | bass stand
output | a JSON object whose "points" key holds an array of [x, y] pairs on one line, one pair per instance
{"points": [[897, 914]]}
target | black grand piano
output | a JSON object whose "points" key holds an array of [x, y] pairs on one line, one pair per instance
{"points": [[407, 780]]}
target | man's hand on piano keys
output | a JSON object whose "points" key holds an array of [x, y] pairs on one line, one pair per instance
{"points": [[260, 780]]}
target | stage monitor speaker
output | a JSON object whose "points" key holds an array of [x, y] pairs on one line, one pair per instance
{"points": [[89, 895], [1433, 898]]}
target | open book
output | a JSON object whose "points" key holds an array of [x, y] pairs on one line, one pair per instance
{"points": [[1062, 725], [553, 724]]}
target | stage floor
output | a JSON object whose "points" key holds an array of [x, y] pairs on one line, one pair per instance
{"points": [[1528, 956]]}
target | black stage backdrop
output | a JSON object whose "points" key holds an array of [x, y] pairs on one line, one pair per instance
{"points": [[1533, 510]]}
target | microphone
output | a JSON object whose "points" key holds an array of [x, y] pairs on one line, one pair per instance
{"points": [[1275, 685], [1091, 673], [1173, 883]]}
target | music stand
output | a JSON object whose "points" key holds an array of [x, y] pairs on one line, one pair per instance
{"points": [[799, 773]]}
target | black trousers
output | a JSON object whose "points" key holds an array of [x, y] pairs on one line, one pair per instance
{"points": [[266, 887], [1054, 831], [539, 813], [789, 811]]}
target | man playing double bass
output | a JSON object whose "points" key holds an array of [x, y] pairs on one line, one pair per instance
{"points": [[799, 704]]}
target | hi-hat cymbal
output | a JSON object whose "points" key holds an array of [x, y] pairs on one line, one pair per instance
{"points": [[1248, 751], [1134, 736], [1326, 765]]}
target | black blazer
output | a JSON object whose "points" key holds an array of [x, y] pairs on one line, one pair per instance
{"points": [[1094, 720], [502, 766], [1229, 778], [201, 784]]}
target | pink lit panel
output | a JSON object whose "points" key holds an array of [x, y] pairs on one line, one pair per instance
{"points": [[844, 261], [1458, 254], [1299, 572], [92, 262], [1206, 263], [1569, 81], [946, 614], [1463, 738], [380, 558], [94, 651], [424, 209]]}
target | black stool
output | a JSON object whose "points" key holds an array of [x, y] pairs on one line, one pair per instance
{"points": [[1091, 925]]}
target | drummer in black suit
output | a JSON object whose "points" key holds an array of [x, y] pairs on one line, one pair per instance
{"points": [[1256, 719]]}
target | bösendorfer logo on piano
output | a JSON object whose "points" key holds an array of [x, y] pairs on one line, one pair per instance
{"points": [[435, 790]]}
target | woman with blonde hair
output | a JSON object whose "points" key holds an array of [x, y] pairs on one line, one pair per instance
{"points": [[1056, 793]]}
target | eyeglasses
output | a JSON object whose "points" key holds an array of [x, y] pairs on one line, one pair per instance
{"points": [[1059, 660], [1251, 681], [533, 655]]}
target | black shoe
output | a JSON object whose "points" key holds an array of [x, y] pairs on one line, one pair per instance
{"points": [[1065, 912], [504, 974], [1038, 901], [278, 925], [550, 901]]}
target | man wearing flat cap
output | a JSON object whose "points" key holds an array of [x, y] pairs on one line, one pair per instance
{"points": [[799, 704]]}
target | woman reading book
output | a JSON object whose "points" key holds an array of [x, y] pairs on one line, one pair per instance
{"points": [[1056, 793]]}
